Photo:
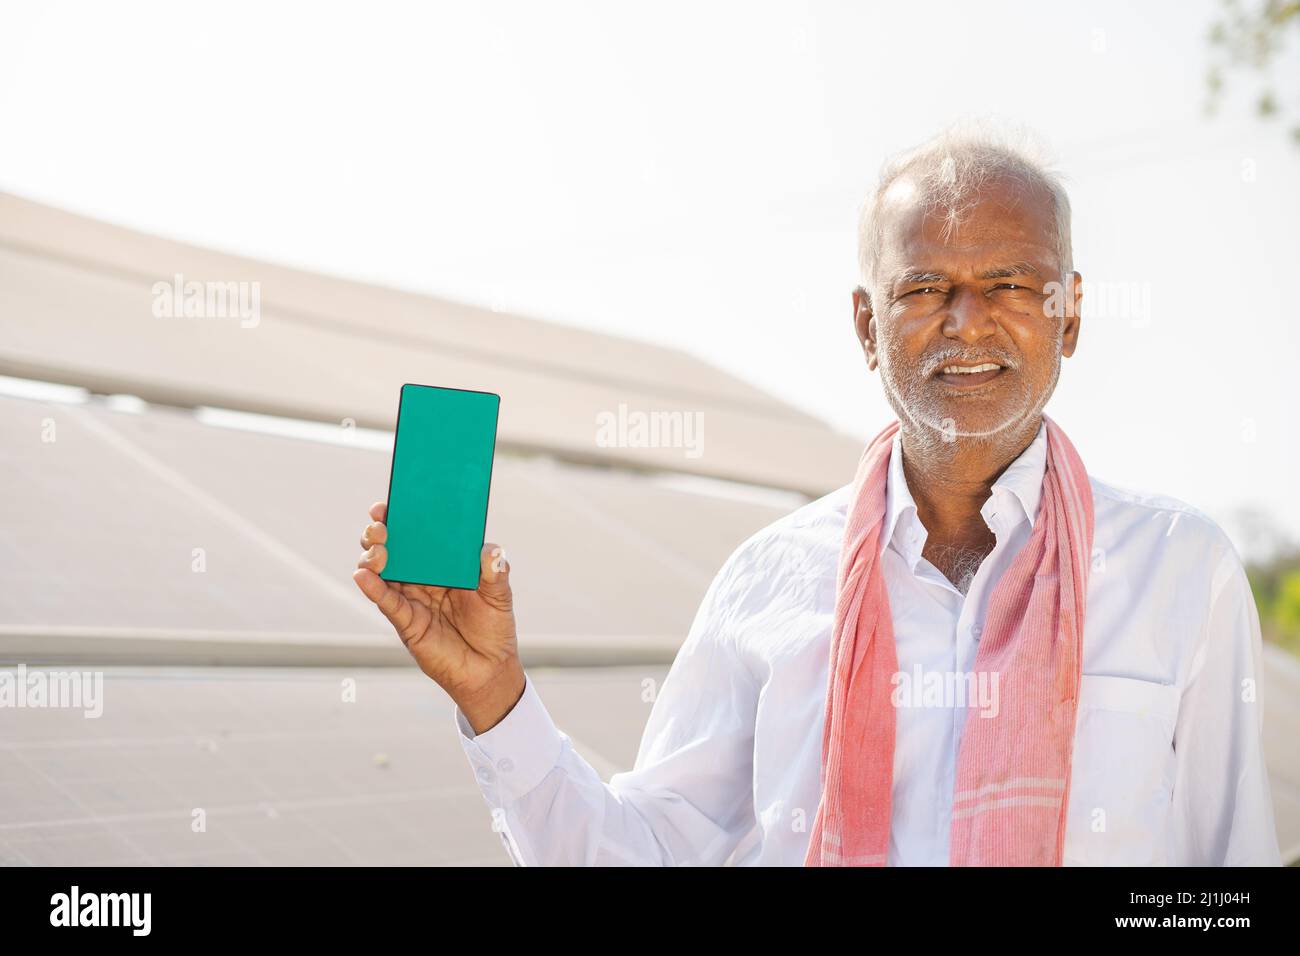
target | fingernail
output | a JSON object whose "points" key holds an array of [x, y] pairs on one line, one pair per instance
{"points": [[500, 563]]}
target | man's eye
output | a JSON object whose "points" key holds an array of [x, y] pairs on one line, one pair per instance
{"points": [[1008, 285], [923, 291]]}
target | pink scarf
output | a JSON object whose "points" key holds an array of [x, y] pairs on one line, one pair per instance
{"points": [[1013, 770]]}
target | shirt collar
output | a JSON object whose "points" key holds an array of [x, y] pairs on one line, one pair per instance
{"points": [[1021, 484], [903, 529], [1015, 498]]}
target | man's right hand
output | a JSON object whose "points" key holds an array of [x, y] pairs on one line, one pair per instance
{"points": [[465, 640]]}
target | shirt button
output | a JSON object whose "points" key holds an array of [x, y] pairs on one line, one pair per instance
{"points": [[484, 774], [976, 631], [505, 765]]}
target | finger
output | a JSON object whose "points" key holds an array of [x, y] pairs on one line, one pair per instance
{"points": [[374, 558], [375, 533], [493, 561], [379, 511], [388, 599], [494, 571]]}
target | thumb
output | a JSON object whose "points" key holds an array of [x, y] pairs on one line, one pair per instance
{"points": [[494, 575]]}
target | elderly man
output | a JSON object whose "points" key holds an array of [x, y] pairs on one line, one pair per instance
{"points": [[971, 654]]}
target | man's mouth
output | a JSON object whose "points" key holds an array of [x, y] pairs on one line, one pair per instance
{"points": [[966, 375]]}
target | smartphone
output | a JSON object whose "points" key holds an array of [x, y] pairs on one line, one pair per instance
{"points": [[438, 486]]}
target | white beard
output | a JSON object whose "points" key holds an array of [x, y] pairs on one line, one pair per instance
{"points": [[923, 413]]}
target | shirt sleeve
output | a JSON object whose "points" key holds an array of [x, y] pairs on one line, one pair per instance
{"points": [[687, 800], [1222, 807]]}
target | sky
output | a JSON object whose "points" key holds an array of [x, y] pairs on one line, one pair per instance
{"points": [[690, 174]]}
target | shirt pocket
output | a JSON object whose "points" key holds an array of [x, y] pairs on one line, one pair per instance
{"points": [[1122, 778]]}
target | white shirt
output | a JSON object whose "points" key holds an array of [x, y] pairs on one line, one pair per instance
{"points": [[1168, 763]]}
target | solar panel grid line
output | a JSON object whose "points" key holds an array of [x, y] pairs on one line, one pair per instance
{"points": [[228, 691], [521, 485], [211, 459], [70, 795], [307, 791], [231, 648], [271, 807], [676, 561], [277, 550], [184, 814]]}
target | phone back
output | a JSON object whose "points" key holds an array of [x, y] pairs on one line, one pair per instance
{"points": [[438, 490]]}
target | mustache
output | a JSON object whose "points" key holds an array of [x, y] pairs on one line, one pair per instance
{"points": [[967, 356]]}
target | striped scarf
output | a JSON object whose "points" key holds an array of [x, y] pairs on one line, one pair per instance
{"points": [[1013, 770]]}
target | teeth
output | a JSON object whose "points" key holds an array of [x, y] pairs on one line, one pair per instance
{"points": [[970, 370]]}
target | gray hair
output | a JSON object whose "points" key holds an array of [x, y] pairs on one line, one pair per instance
{"points": [[949, 170]]}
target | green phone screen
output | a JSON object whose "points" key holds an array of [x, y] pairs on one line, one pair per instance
{"points": [[438, 491]]}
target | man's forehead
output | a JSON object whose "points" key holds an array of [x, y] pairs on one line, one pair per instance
{"points": [[998, 222]]}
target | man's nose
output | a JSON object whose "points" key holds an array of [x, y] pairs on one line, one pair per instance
{"points": [[969, 316]]}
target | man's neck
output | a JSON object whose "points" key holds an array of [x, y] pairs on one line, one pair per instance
{"points": [[950, 481]]}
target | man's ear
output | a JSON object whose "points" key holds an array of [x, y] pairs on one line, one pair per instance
{"points": [[864, 323], [1070, 334]]}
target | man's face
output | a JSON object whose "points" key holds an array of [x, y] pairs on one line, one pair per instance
{"points": [[986, 296]]}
